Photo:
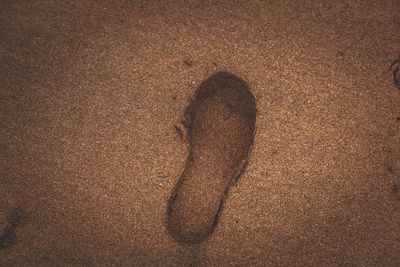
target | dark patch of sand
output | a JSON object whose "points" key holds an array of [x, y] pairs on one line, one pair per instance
{"points": [[220, 125]]}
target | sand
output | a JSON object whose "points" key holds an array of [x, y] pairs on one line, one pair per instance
{"points": [[92, 95]]}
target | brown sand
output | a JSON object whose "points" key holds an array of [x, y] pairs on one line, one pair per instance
{"points": [[91, 94]]}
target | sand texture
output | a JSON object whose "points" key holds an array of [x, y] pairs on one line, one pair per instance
{"points": [[93, 95]]}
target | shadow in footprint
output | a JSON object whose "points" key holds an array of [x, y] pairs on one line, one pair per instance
{"points": [[396, 72], [220, 123], [7, 236]]}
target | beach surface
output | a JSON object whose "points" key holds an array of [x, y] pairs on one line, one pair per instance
{"points": [[93, 94]]}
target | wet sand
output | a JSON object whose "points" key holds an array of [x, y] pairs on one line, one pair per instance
{"points": [[92, 95]]}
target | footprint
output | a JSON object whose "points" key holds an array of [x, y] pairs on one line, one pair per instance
{"points": [[396, 72], [7, 235], [395, 192], [220, 124]]}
